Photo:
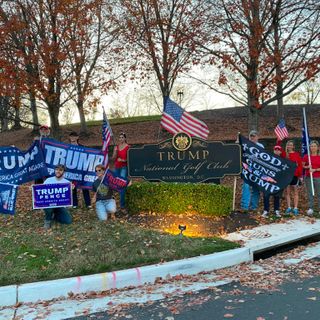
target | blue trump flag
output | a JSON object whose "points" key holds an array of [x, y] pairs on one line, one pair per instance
{"points": [[80, 161], [8, 197], [18, 167], [114, 181]]}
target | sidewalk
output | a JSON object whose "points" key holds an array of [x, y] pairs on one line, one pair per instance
{"points": [[255, 240]]}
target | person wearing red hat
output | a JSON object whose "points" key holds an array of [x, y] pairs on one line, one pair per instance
{"points": [[276, 197], [293, 187]]}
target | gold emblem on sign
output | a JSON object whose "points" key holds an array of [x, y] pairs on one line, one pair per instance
{"points": [[181, 141]]}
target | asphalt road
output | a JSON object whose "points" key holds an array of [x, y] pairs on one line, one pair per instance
{"points": [[295, 300]]}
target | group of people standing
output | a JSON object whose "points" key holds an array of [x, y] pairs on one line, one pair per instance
{"points": [[307, 172], [103, 197]]}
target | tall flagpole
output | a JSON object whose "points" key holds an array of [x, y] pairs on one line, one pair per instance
{"points": [[235, 183], [308, 149]]}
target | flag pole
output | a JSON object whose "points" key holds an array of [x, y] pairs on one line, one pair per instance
{"points": [[235, 183], [308, 149]]}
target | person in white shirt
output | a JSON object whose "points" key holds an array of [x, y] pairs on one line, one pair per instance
{"points": [[59, 214]]}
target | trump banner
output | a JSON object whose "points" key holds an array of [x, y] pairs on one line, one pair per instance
{"points": [[8, 197], [264, 170], [114, 182], [51, 195], [17, 167], [80, 161]]}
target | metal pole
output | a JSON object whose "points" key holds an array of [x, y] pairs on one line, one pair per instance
{"points": [[308, 149]]}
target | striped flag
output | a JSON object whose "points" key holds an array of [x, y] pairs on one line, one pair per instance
{"points": [[281, 130], [106, 138], [174, 119]]}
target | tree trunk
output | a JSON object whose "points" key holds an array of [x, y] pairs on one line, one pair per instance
{"points": [[83, 128], [53, 109], [17, 124], [34, 111], [253, 119]]}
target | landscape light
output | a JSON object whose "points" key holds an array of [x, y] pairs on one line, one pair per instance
{"points": [[182, 227]]}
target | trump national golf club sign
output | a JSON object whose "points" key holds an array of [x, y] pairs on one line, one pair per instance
{"points": [[184, 159]]}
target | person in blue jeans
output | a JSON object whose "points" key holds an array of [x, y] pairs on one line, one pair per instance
{"points": [[250, 194], [120, 154], [105, 203], [58, 214]]}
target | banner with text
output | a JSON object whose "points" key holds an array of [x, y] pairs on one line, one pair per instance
{"points": [[17, 167], [114, 181], [8, 197], [51, 195], [264, 170], [80, 161]]}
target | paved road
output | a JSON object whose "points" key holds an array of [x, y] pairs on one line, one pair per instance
{"points": [[298, 299]]}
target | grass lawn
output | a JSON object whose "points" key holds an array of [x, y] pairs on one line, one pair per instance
{"points": [[88, 246]]}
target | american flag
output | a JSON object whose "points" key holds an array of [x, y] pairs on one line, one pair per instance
{"points": [[106, 138], [175, 119], [281, 130]]}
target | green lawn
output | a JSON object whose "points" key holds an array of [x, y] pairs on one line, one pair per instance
{"points": [[88, 246]]}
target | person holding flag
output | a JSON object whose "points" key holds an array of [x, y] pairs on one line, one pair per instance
{"points": [[105, 203], [120, 155], [311, 163]]}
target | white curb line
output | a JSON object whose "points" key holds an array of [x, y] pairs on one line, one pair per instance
{"points": [[47, 290]]}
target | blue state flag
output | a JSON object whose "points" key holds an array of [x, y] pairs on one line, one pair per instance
{"points": [[305, 139], [8, 198]]}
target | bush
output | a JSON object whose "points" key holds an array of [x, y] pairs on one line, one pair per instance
{"points": [[162, 197]]}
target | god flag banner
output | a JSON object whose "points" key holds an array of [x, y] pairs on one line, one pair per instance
{"points": [[8, 197], [51, 195], [264, 170]]}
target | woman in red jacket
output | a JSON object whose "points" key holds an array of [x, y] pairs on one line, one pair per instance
{"points": [[294, 156]]}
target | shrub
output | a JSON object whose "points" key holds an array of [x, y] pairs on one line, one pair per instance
{"points": [[162, 197]]}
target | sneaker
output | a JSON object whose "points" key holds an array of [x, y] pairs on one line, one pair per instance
{"points": [[295, 211], [277, 213], [74, 207], [47, 224], [265, 214], [89, 207], [289, 210], [310, 212]]}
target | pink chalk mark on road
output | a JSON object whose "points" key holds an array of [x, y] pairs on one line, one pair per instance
{"points": [[114, 280], [78, 284], [138, 276]]}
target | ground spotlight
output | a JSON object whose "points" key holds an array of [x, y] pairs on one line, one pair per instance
{"points": [[182, 227]]}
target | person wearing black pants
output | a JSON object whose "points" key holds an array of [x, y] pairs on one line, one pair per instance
{"points": [[74, 139]]}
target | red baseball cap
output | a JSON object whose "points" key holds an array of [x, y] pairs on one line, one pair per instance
{"points": [[277, 148], [44, 127]]}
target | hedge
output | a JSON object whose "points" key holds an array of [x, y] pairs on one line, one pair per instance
{"points": [[162, 197]]}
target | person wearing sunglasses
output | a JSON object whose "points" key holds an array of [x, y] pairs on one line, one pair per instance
{"points": [[105, 203]]}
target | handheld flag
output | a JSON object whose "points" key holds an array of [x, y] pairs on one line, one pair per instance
{"points": [[305, 139], [174, 119], [8, 197], [281, 130], [106, 138]]}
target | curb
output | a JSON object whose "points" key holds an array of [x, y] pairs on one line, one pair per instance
{"points": [[61, 288]]}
